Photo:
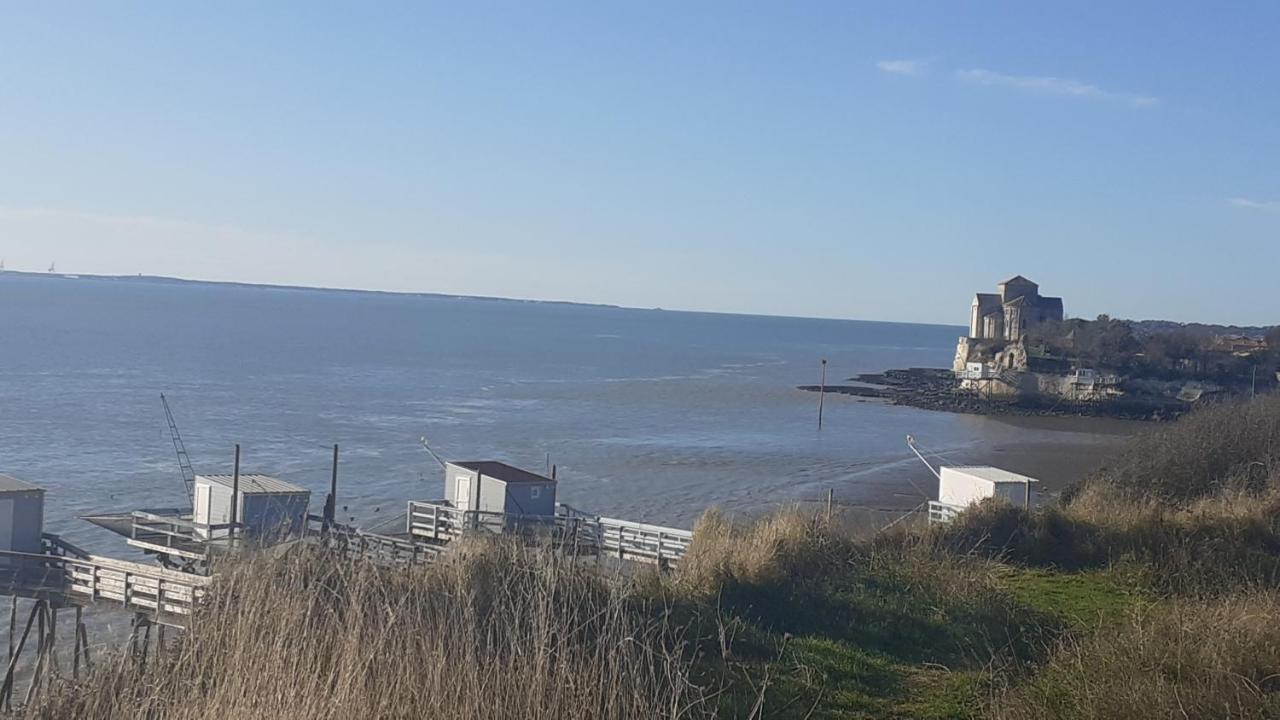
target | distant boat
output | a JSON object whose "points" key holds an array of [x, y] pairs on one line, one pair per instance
{"points": [[53, 267]]}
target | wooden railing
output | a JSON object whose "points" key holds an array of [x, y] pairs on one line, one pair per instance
{"points": [[942, 512], [435, 520], [57, 545], [374, 547], [167, 596], [176, 535], [646, 543], [439, 522]]}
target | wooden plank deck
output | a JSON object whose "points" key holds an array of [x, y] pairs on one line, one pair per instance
{"points": [[166, 596], [637, 542]]}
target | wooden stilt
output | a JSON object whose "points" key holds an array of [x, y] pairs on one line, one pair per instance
{"points": [[75, 642], [41, 659], [133, 637], [53, 643], [146, 642], [41, 620], [84, 646], [13, 623], [6, 690]]}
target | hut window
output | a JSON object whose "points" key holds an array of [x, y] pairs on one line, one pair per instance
{"points": [[535, 492]]}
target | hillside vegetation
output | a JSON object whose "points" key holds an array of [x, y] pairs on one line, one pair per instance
{"points": [[1152, 590]]}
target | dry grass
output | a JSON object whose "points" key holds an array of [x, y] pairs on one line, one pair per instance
{"points": [[494, 631], [1232, 445], [1210, 546], [758, 551], [906, 597], [1212, 659], [1195, 504]]}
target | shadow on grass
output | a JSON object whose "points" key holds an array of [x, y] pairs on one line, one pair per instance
{"points": [[881, 613]]}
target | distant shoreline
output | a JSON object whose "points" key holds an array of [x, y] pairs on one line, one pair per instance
{"points": [[169, 280]]}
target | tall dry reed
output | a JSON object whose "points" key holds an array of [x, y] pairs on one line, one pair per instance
{"points": [[767, 549], [1231, 445], [493, 631]]}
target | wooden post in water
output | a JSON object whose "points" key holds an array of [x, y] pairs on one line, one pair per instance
{"points": [[235, 495], [331, 504], [831, 500], [822, 391]]}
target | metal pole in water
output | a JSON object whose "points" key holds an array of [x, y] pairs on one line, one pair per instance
{"points": [[822, 391], [235, 494]]}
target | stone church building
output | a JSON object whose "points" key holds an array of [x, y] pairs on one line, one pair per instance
{"points": [[1008, 314]]}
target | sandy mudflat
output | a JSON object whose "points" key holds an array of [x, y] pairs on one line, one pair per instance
{"points": [[1059, 452]]}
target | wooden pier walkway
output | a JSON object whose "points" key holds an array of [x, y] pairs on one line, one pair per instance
{"points": [[439, 522], [165, 597]]}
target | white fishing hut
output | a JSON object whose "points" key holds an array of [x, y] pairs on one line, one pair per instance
{"points": [[959, 487], [269, 508], [496, 487], [21, 515]]}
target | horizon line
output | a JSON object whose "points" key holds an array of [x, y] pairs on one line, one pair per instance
{"points": [[60, 275]]}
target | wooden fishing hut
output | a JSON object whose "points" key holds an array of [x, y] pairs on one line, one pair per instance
{"points": [[961, 487], [489, 486], [494, 497], [227, 511], [263, 507], [53, 575], [21, 515]]}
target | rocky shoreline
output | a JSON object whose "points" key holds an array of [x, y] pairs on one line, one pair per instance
{"points": [[938, 389]]}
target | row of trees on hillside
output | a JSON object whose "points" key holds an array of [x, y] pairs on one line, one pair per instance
{"points": [[1110, 343]]}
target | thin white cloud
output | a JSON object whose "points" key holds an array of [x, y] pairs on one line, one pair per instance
{"points": [[1255, 204], [1053, 86], [903, 67]]}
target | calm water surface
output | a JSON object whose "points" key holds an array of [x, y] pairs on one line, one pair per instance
{"points": [[649, 415]]}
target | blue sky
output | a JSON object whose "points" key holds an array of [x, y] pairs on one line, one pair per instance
{"points": [[862, 160]]}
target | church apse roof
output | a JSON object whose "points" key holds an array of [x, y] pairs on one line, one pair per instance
{"points": [[988, 302]]}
